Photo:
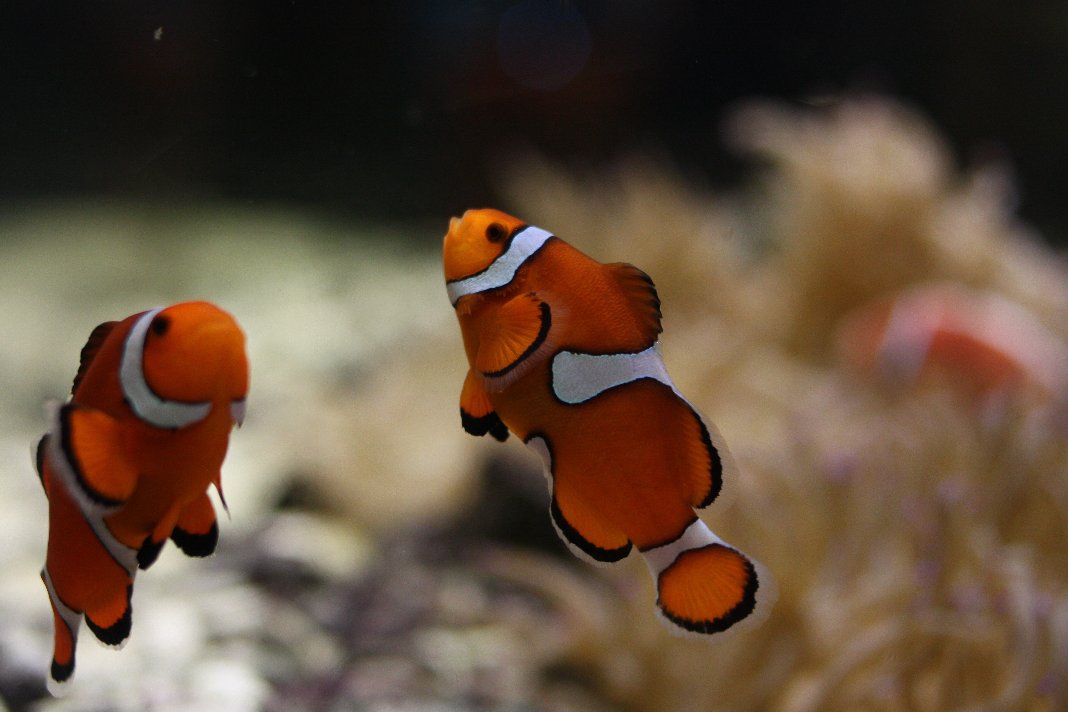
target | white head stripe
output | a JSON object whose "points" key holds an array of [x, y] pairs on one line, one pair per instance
{"points": [[147, 405], [578, 377], [696, 535], [502, 270]]}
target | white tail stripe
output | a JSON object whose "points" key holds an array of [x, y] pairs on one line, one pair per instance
{"points": [[154, 410], [578, 377], [502, 270], [696, 535], [71, 617]]}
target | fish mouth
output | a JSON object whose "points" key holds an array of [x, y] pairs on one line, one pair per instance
{"points": [[454, 226]]}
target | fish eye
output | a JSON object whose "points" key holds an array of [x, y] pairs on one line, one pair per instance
{"points": [[160, 325], [496, 232]]}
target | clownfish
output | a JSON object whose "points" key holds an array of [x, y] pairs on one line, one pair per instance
{"points": [[981, 344], [128, 459], [563, 352]]}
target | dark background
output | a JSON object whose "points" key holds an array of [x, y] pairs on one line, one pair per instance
{"points": [[400, 110]]}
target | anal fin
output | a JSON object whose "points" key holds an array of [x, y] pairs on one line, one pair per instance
{"points": [[112, 621], [585, 532]]}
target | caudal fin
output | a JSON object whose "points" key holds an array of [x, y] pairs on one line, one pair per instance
{"points": [[708, 590], [703, 585], [66, 621]]}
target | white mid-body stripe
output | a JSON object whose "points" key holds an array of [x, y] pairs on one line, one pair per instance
{"points": [[502, 270], [907, 339], [696, 536], [94, 511], [578, 377], [154, 410]]}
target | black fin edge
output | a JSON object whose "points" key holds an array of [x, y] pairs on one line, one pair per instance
{"points": [[65, 431], [593, 551], [717, 625], [39, 457], [715, 463], [118, 631], [545, 314], [489, 423], [149, 551], [60, 672], [196, 545]]}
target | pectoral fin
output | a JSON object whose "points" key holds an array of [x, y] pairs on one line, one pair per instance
{"points": [[197, 532], [516, 332], [86, 450]]}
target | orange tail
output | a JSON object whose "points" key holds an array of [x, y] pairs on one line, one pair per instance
{"points": [[67, 621], [703, 585]]}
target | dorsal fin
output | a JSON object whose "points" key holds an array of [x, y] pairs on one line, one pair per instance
{"points": [[640, 292], [89, 351]]}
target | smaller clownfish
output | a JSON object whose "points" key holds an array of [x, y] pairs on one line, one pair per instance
{"points": [[981, 344], [127, 462], [564, 353]]}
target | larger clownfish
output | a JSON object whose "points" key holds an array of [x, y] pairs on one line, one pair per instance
{"points": [[563, 352], [127, 462]]}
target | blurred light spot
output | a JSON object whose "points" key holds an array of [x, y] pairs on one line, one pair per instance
{"points": [[543, 44]]}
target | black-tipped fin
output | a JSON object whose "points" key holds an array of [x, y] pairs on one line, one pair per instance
{"points": [[476, 412], [114, 635], [197, 545], [581, 529], [90, 350]]}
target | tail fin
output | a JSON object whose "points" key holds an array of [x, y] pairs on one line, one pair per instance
{"points": [[67, 621], [703, 585]]}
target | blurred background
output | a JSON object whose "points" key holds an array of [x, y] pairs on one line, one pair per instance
{"points": [[854, 216], [402, 110]]}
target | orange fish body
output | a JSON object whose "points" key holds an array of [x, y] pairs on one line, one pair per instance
{"points": [[129, 458], [563, 352]]}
